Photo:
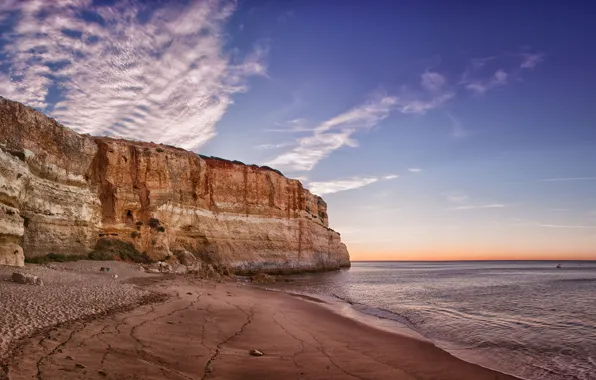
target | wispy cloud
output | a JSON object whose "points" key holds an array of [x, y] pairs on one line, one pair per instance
{"points": [[420, 107], [522, 222], [322, 188], [457, 197], [535, 223], [164, 79], [339, 131], [292, 126], [457, 127], [415, 170], [480, 86], [566, 226], [478, 207], [432, 81], [484, 74], [569, 179], [273, 146], [478, 63], [530, 61], [334, 134], [335, 186]]}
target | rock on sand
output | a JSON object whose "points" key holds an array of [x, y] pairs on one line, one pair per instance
{"points": [[27, 279]]}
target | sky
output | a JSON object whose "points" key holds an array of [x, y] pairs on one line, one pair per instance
{"points": [[434, 130]]}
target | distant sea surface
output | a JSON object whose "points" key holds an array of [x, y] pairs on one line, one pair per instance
{"points": [[525, 318]]}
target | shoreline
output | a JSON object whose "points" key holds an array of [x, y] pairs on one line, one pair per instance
{"points": [[347, 310], [206, 330], [389, 325]]}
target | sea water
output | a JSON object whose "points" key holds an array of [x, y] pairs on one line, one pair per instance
{"points": [[526, 318]]}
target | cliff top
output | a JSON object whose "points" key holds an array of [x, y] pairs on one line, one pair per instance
{"points": [[150, 145]]}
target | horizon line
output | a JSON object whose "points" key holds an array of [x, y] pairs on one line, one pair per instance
{"points": [[464, 260]]}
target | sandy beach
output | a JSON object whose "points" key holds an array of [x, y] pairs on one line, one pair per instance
{"points": [[205, 330]]}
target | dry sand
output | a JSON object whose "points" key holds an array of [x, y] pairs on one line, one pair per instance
{"points": [[206, 330], [71, 291]]}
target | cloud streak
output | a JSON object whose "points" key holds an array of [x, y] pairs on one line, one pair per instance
{"points": [[530, 61], [335, 186], [565, 226], [457, 197], [273, 146], [496, 205], [432, 81], [480, 86], [568, 179], [534, 223], [128, 69], [420, 107], [339, 131], [334, 134], [484, 74], [457, 127]]}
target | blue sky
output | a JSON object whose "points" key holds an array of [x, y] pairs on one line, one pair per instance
{"points": [[434, 130]]}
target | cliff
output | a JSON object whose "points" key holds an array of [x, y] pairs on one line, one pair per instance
{"points": [[65, 193]]}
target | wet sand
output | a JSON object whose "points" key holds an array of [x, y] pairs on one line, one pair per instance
{"points": [[205, 330]]}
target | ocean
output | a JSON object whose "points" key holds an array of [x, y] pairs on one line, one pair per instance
{"points": [[525, 318]]}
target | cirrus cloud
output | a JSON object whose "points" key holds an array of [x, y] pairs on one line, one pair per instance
{"points": [[339, 131], [333, 134], [128, 69], [432, 81], [495, 205], [484, 74], [335, 186]]}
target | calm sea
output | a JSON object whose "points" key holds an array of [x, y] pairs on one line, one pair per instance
{"points": [[526, 318]]}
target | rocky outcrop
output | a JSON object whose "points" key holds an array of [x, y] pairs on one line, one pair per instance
{"points": [[64, 193]]}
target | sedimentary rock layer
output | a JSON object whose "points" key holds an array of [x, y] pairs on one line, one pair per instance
{"points": [[65, 193]]}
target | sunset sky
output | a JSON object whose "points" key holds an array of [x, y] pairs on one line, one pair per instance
{"points": [[434, 130]]}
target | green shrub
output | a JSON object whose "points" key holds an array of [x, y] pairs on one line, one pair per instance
{"points": [[136, 257], [101, 256], [159, 150], [161, 229], [154, 223], [108, 249]]}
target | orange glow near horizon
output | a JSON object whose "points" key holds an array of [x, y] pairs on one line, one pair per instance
{"points": [[361, 255]]}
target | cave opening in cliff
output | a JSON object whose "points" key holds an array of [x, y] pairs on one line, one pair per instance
{"points": [[129, 218]]}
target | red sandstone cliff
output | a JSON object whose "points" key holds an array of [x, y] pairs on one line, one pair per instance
{"points": [[61, 192]]}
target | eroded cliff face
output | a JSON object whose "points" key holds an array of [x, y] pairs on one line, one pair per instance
{"points": [[61, 192]]}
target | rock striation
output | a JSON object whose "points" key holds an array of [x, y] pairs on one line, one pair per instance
{"points": [[71, 194]]}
